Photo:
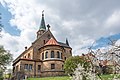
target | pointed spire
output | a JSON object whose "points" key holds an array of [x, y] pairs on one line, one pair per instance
{"points": [[67, 42], [42, 25]]}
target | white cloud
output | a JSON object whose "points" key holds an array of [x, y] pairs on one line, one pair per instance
{"points": [[9, 42], [117, 42], [81, 21], [114, 19]]}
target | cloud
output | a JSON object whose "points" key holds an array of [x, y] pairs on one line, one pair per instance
{"points": [[112, 23], [117, 42], [81, 21]]}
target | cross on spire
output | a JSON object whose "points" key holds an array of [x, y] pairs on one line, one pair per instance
{"points": [[43, 13]]}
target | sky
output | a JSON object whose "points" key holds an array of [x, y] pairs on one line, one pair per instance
{"points": [[82, 22]]}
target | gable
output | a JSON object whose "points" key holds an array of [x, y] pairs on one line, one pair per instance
{"points": [[43, 39]]}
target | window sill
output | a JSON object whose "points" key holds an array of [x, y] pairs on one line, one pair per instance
{"points": [[52, 59]]}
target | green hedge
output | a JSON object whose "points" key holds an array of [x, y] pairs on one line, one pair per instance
{"points": [[1, 78]]}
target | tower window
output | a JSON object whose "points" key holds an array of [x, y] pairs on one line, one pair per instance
{"points": [[52, 66], [46, 55], [58, 54], [52, 54], [42, 56], [29, 55]]}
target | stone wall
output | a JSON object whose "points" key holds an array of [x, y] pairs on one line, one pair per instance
{"points": [[53, 73]]}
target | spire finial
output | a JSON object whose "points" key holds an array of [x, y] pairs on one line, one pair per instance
{"points": [[42, 12]]}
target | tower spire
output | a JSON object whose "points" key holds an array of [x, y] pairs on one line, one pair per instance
{"points": [[67, 42], [42, 25]]}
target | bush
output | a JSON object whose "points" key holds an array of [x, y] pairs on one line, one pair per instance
{"points": [[72, 63], [109, 69], [1, 78], [1, 75]]}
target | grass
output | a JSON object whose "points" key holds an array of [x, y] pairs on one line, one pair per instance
{"points": [[51, 78], [104, 77]]}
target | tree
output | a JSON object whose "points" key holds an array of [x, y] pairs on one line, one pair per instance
{"points": [[72, 63], [81, 73], [5, 58]]}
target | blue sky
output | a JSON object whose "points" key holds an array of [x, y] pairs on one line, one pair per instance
{"points": [[82, 22], [6, 16], [105, 41]]}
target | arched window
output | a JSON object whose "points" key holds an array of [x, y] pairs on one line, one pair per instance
{"points": [[29, 55], [62, 67], [52, 54], [61, 55], [58, 54], [42, 56], [46, 55]]}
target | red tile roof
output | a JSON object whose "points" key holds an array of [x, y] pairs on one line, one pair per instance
{"points": [[52, 41], [103, 62]]}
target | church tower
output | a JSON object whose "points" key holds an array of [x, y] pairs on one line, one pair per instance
{"points": [[42, 27]]}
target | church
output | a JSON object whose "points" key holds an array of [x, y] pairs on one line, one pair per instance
{"points": [[45, 57]]}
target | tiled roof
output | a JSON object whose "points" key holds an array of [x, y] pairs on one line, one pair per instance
{"points": [[63, 44], [103, 62], [52, 41]]}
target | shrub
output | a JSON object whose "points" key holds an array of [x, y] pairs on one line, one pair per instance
{"points": [[72, 62]]}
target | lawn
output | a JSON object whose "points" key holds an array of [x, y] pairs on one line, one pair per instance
{"points": [[104, 77], [51, 78]]}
